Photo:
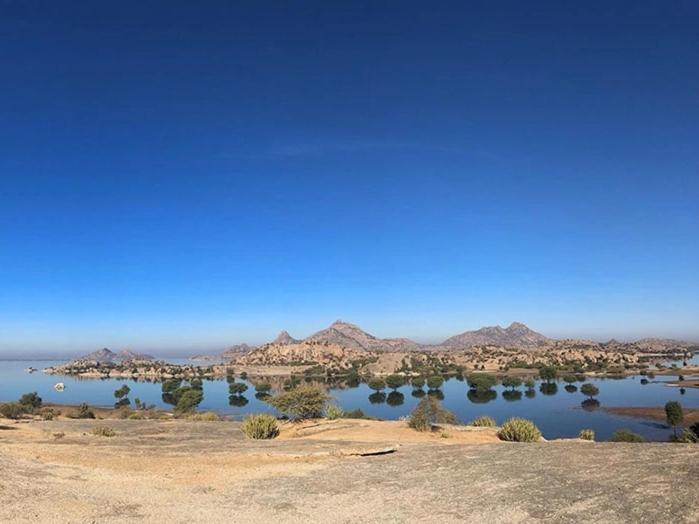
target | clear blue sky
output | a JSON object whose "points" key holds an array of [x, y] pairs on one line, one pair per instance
{"points": [[180, 176]]}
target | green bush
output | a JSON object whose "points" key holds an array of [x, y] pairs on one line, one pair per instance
{"points": [[674, 415], [481, 381], [188, 400], [260, 426], [103, 431], [547, 373], [355, 413], [519, 430], [12, 410], [301, 402], [589, 390], [428, 412], [624, 435], [237, 388], [333, 412], [263, 387], [586, 434], [83, 411], [48, 413], [483, 421], [376, 383], [418, 382], [30, 401], [435, 382], [511, 382], [395, 381], [688, 437]]}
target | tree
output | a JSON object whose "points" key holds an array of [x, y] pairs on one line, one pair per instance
{"points": [[529, 383], [263, 387], [511, 382], [435, 382], [569, 379], [547, 373], [395, 381], [428, 412], [481, 381], [121, 396], [189, 399], [589, 390], [674, 415], [376, 383], [237, 388], [30, 401], [301, 402], [418, 382]]}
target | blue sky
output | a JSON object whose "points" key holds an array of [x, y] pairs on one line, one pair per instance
{"points": [[182, 176]]}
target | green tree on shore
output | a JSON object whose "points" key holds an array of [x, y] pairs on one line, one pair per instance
{"points": [[674, 415]]}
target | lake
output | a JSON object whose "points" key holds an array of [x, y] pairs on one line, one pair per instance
{"points": [[558, 415]]}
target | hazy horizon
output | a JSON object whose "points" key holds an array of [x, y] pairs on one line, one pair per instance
{"points": [[189, 178], [175, 351]]}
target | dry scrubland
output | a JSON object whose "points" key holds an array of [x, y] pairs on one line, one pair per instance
{"points": [[332, 471]]}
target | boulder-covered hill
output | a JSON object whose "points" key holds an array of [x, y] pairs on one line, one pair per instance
{"points": [[663, 344], [230, 353], [348, 335], [107, 356], [516, 335], [344, 335]]}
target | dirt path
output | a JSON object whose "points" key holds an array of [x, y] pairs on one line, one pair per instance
{"points": [[176, 471]]}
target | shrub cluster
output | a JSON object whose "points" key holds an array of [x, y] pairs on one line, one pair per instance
{"points": [[586, 434], [83, 411], [103, 431], [428, 412], [519, 430], [333, 412], [260, 426], [301, 402], [483, 421], [624, 435]]}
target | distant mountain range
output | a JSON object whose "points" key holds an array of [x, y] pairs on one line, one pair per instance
{"points": [[343, 334]]}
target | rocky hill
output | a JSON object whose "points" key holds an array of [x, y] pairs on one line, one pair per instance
{"points": [[516, 335], [284, 339], [663, 344], [107, 356], [230, 353], [348, 335]]}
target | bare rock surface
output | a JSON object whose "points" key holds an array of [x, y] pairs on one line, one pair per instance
{"points": [[178, 471]]}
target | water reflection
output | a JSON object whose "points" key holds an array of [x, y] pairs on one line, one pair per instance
{"points": [[237, 400], [512, 395], [479, 396], [377, 397], [436, 393], [570, 388], [548, 388], [418, 393], [590, 404], [395, 398]]}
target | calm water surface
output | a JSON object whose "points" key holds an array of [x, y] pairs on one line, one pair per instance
{"points": [[558, 415]]}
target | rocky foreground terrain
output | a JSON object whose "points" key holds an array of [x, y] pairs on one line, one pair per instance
{"points": [[180, 471]]}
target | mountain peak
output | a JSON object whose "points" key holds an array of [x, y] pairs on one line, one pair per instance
{"points": [[284, 339], [516, 335]]}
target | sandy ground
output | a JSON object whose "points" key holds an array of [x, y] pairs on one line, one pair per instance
{"points": [[180, 471]]}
